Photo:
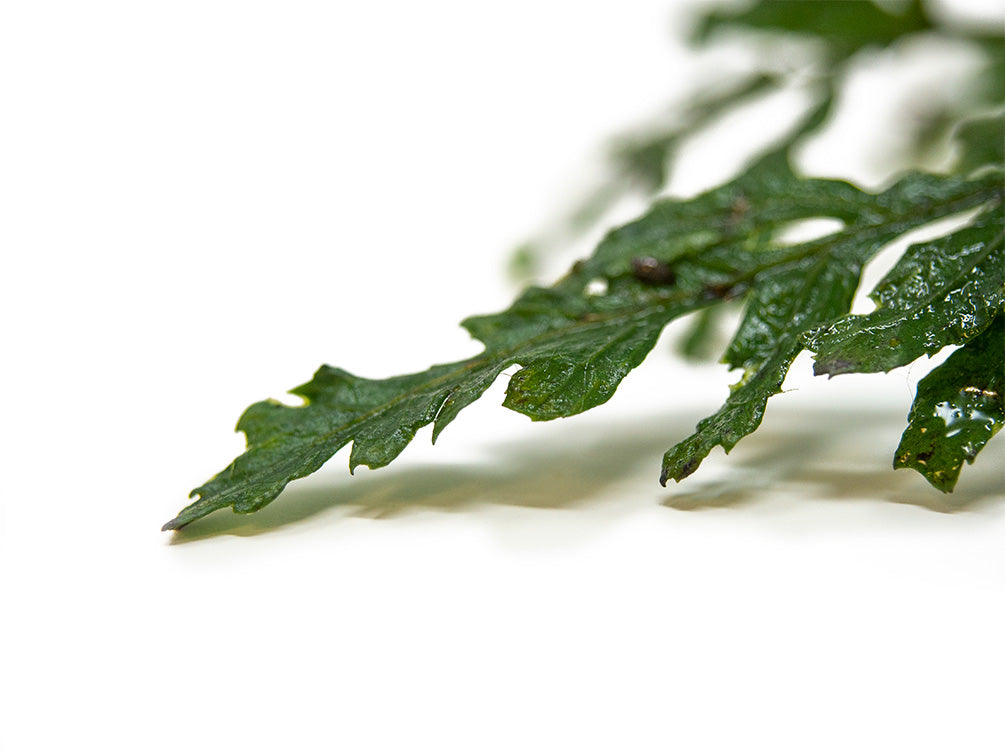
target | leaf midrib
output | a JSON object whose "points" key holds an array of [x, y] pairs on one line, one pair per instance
{"points": [[651, 308]]}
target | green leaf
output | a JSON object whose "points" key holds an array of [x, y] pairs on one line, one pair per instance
{"points": [[640, 160], [788, 301], [845, 26], [645, 158], [940, 293], [576, 340], [959, 407], [701, 340], [982, 142], [784, 304]]}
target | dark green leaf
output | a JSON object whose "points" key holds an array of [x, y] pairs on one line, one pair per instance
{"points": [[845, 26], [645, 158], [641, 160], [578, 339], [789, 300], [940, 293], [958, 408], [983, 143], [784, 303]]}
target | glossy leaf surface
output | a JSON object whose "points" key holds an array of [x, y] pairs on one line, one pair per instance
{"points": [[792, 299], [943, 292], [958, 408], [576, 340]]}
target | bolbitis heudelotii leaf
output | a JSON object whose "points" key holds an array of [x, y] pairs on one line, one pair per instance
{"points": [[960, 405], [577, 339]]}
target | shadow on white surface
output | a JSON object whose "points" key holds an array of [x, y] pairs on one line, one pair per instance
{"points": [[794, 458], [839, 458], [565, 469]]}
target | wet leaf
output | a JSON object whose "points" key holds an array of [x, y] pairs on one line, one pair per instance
{"points": [[942, 292], [958, 408], [575, 341]]}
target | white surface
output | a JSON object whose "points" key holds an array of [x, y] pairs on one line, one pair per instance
{"points": [[204, 201]]}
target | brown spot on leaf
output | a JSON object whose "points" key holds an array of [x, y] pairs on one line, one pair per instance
{"points": [[652, 271], [723, 291]]}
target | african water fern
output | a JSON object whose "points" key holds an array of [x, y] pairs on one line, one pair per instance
{"points": [[577, 339]]}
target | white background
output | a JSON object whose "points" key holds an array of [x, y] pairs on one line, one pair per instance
{"points": [[200, 202]]}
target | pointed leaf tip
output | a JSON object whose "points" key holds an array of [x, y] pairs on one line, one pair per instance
{"points": [[576, 345]]}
